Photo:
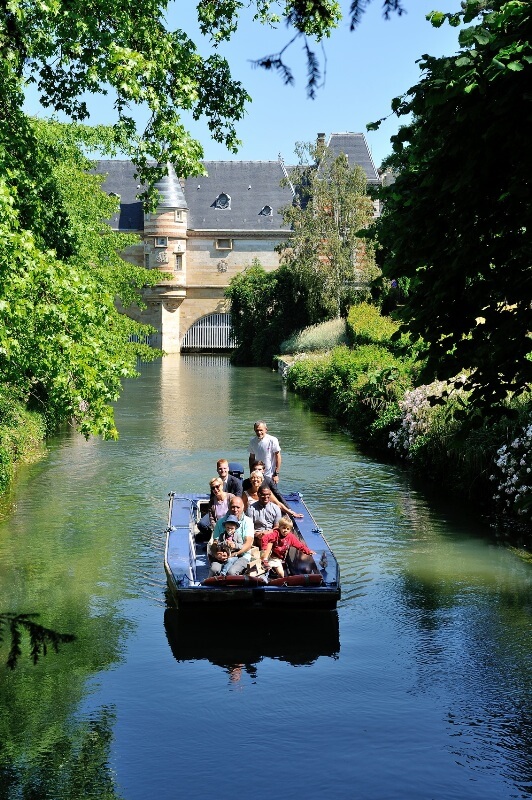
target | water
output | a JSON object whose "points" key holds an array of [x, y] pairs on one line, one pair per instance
{"points": [[418, 687]]}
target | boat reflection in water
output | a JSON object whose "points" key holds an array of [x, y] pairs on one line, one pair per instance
{"points": [[298, 637]]}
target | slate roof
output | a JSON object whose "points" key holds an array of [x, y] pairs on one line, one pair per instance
{"points": [[356, 149], [170, 190], [121, 180], [251, 186]]}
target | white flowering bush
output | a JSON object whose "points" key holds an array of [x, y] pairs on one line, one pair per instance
{"points": [[417, 417], [513, 473]]}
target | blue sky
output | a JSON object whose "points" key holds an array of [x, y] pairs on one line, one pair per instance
{"points": [[365, 70]]}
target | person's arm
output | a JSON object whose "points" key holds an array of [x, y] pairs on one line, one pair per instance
{"points": [[299, 545], [248, 544], [278, 460], [252, 460], [266, 553], [284, 508]]}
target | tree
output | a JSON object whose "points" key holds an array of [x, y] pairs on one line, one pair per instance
{"points": [[266, 307], [64, 348], [326, 249], [457, 220]]}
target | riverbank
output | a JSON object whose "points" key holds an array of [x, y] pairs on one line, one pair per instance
{"points": [[370, 386], [22, 434]]}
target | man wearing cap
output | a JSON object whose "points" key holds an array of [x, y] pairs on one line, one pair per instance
{"points": [[242, 537]]}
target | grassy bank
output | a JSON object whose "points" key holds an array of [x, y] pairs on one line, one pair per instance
{"points": [[21, 436], [371, 386]]}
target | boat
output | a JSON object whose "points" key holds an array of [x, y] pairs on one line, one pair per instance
{"points": [[311, 581]]}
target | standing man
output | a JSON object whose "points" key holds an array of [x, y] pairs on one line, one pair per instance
{"points": [[264, 447]]}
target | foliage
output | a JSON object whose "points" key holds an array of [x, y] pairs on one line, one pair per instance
{"points": [[324, 336], [21, 433], [71, 50], [265, 308], [456, 222], [355, 386], [314, 17], [41, 638], [417, 418], [64, 348], [513, 472], [366, 325], [326, 250]]}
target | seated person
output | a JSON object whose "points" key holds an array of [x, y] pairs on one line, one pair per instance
{"points": [[238, 535], [250, 494], [231, 483], [264, 514], [258, 466], [219, 502], [221, 557], [278, 542]]}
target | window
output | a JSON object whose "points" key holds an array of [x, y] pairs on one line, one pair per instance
{"points": [[224, 244], [223, 201], [178, 215], [266, 211], [161, 241], [179, 262], [147, 260]]}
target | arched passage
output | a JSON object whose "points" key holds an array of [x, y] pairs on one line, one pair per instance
{"points": [[211, 332]]}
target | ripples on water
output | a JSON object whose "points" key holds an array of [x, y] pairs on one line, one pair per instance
{"points": [[418, 687]]}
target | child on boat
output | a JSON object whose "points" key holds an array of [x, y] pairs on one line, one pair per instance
{"points": [[221, 555], [220, 549], [278, 542]]}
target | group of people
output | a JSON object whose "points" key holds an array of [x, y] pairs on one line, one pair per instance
{"points": [[251, 528]]}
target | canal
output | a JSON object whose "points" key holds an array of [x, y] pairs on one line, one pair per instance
{"points": [[419, 687]]}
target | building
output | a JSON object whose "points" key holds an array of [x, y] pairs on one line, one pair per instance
{"points": [[206, 230]]}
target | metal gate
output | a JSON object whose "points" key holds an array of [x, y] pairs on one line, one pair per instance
{"points": [[212, 332]]}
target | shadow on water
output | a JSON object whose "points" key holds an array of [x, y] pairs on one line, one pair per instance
{"points": [[298, 638]]}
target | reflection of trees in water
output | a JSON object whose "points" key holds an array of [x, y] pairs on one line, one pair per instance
{"points": [[298, 637], [69, 765], [13, 626], [473, 651]]}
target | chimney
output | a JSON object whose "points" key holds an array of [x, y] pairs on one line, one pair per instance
{"points": [[320, 140]]}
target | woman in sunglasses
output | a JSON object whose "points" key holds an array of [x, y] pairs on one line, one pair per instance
{"points": [[219, 502]]}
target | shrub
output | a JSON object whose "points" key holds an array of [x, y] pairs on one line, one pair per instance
{"points": [[355, 386], [513, 472], [21, 434], [366, 325], [323, 336]]}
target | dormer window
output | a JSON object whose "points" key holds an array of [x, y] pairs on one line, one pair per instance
{"points": [[266, 211], [161, 241], [223, 201]]}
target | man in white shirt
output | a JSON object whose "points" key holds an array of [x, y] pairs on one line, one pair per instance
{"points": [[264, 447]]}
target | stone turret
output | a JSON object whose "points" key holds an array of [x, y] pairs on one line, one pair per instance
{"points": [[165, 231]]}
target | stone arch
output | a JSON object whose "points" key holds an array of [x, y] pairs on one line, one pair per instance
{"points": [[209, 332]]}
